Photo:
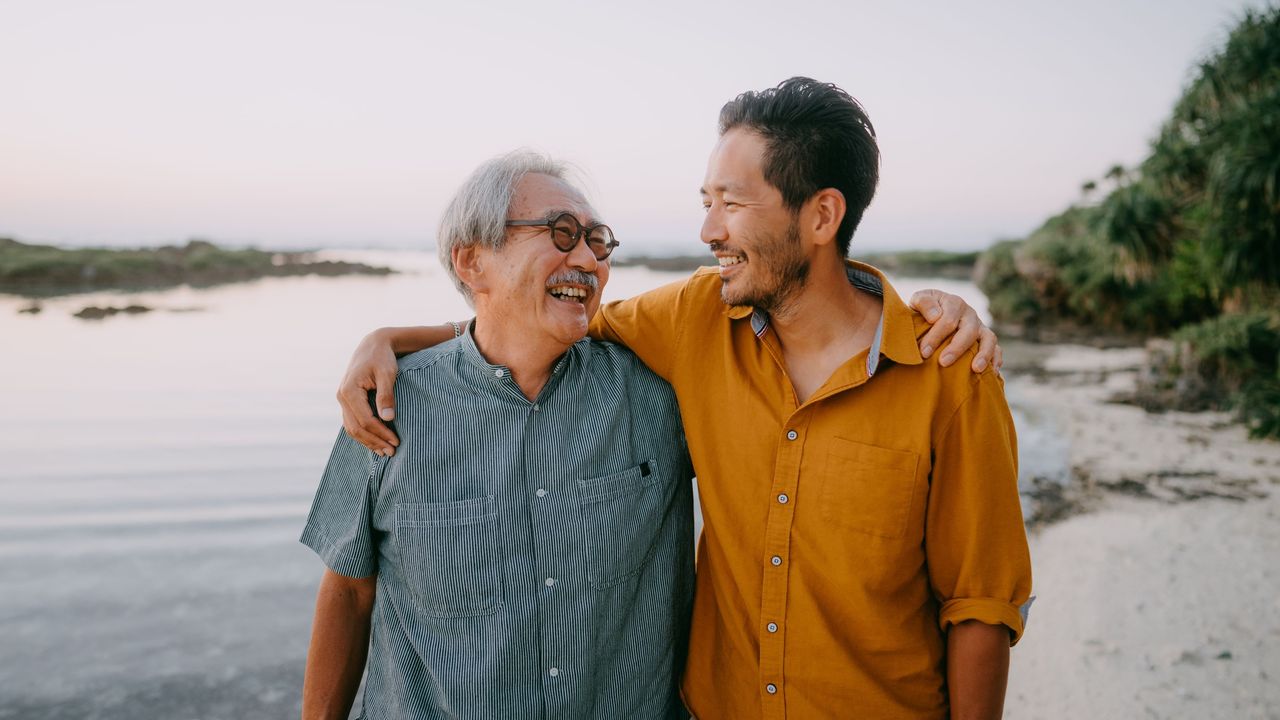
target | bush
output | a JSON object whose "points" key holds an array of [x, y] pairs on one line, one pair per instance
{"points": [[1241, 354]]}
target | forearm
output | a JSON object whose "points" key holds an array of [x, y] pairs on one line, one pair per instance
{"points": [[405, 340], [339, 647], [977, 670]]}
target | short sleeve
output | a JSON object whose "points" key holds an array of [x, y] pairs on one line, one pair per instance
{"points": [[648, 324], [340, 526], [976, 542]]}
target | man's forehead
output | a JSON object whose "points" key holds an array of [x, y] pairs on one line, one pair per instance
{"points": [[736, 163], [543, 196]]}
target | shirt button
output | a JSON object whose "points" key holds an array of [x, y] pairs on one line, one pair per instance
{"points": [[540, 492], [554, 672], [773, 627], [498, 373], [771, 688], [549, 582], [537, 407], [783, 498], [776, 560], [792, 435]]}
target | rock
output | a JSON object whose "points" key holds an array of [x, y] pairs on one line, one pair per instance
{"points": [[93, 312]]}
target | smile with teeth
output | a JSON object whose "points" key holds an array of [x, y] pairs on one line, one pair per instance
{"points": [[568, 293], [726, 261]]}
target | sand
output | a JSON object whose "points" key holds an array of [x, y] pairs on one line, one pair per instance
{"points": [[1158, 596]]}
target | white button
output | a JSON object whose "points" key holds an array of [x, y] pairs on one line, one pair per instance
{"points": [[554, 672], [783, 498], [549, 582], [791, 435], [776, 560], [498, 373], [537, 407], [773, 627], [771, 688], [540, 492]]}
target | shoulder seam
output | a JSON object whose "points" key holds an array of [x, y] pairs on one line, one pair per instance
{"points": [[971, 390], [429, 362]]}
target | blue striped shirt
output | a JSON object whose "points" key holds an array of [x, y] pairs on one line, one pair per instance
{"points": [[534, 559]]}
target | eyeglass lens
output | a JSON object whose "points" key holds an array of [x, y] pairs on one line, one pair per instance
{"points": [[566, 229]]}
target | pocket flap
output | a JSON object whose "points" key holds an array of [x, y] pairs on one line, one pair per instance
{"points": [[459, 512]]}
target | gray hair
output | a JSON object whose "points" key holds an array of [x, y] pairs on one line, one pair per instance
{"points": [[477, 214]]}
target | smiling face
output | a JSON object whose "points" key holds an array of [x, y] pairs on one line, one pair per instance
{"points": [[753, 235], [532, 285]]}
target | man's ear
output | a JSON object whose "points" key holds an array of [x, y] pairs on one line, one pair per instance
{"points": [[469, 262], [823, 214]]}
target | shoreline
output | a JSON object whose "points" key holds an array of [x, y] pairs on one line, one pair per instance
{"points": [[1152, 562], [44, 271]]}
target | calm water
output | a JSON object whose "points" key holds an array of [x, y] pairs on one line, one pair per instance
{"points": [[156, 473]]}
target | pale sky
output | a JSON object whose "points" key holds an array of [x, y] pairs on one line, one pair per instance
{"points": [[349, 124]]}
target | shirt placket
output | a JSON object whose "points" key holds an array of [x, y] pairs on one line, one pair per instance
{"points": [[777, 563], [559, 600]]}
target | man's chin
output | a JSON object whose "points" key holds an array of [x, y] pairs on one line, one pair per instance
{"points": [[570, 332], [730, 296]]}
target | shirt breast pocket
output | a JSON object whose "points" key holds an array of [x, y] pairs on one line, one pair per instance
{"points": [[868, 488], [622, 515], [449, 555]]}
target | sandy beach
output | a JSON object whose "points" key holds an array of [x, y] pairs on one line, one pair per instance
{"points": [[1158, 592]]}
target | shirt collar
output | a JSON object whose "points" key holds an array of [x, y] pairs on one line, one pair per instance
{"points": [[501, 374], [896, 333]]}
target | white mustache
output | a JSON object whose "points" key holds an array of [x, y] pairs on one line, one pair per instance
{"points": [[574, 277]]}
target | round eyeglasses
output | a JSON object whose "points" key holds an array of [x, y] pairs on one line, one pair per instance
{"points": [[566, 231]]}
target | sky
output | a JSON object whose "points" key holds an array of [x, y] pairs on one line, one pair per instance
{"points": [[326, 123]]}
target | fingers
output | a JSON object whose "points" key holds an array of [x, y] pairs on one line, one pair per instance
{"points": [[986, 355], [965, 336], [359, 422], [386, 397], [926, 303], [941, 330], [999, 358]]}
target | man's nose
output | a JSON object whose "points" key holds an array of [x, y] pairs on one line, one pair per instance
{"points": [[581, 256], [713, 230]]}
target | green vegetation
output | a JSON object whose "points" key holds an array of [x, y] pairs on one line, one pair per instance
{"points": [[47, 270], [924, 263], [1187, 243]]}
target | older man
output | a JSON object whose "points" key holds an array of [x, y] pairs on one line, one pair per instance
{"points": [[528, 552], [863, 553]]}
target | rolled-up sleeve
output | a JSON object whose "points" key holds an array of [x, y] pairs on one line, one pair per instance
{"points": [[975, 539], [340, 526]]}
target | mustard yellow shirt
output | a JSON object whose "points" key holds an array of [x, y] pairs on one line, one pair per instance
{"points": [[844, 535]]}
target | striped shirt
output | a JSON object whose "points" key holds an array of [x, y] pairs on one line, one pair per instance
{"points": [[534, 559]]}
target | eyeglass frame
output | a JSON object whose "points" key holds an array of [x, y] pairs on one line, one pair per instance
{"points": [[583, 233]]}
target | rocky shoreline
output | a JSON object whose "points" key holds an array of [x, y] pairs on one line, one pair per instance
{"points": [[1118, 448], [47, 271]]}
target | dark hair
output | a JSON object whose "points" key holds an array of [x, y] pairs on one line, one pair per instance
{"points": [[816, 136]]}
